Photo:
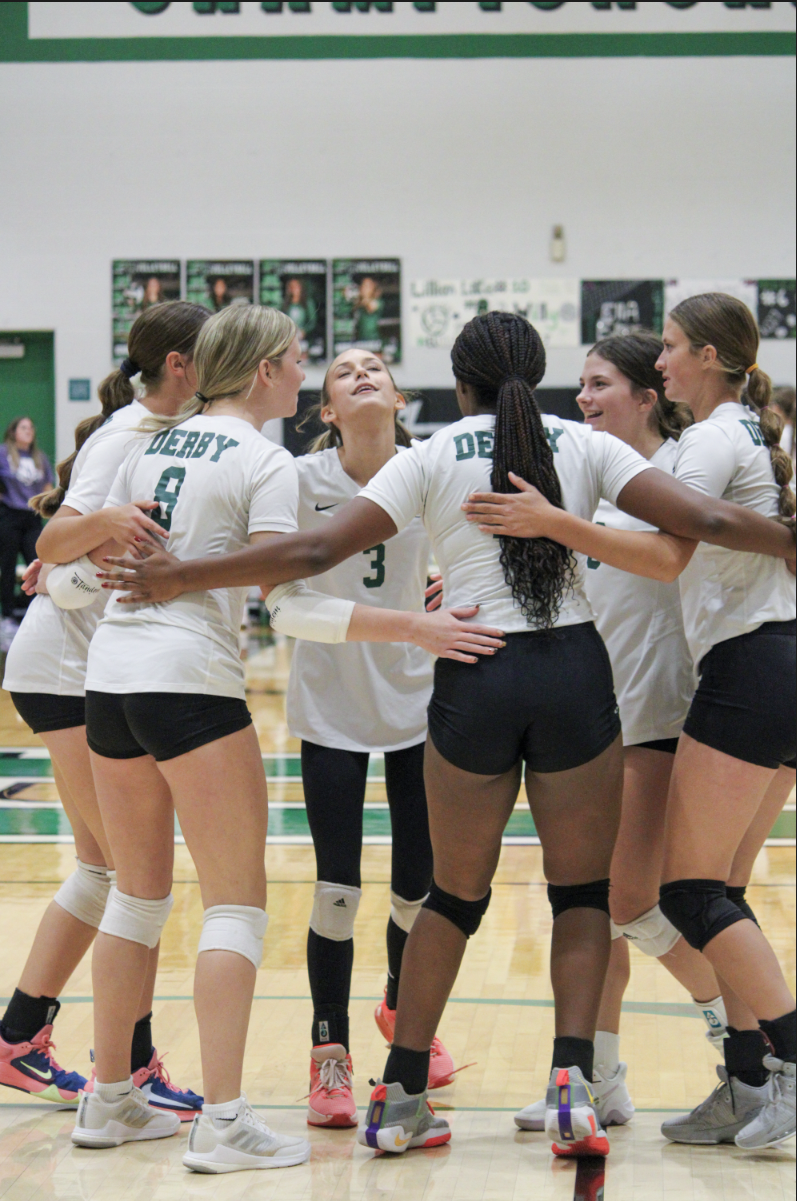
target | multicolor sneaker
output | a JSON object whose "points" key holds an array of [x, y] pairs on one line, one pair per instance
{"points": [[31, 1067], [571, 1118], [128, 1120], [718, 1119], [397, 1122], [239, 1144], [775, 1121], [160, 1093], [441, 1065], [612, 1101], [331, 1096]]}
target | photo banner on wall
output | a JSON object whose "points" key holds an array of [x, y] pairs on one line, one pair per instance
{"points": [[777, 308], [620, 306], [218, 283], [298, 287], [677, 290], [440, 307], [135, 285], [366, 307]]}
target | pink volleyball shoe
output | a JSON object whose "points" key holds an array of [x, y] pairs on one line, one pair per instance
{"points": [[441, 1065], [31, 1068], [331, 1100], [154, 1082]]}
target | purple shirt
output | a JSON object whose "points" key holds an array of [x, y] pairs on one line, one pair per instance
{"points": [[17, 487]]}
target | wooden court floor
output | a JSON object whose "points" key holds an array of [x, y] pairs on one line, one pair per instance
{"points": [[499, 1022]]}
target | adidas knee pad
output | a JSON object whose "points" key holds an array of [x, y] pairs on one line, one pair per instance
{"points": [[465, 915], [594, 895], [404, 912], [651, 933], [699, 909], [84, 894], [334, 910], [135, 918], [237, 928], [735, 893]]}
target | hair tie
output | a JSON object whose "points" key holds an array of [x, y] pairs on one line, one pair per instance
{"points": [[750, 370], [515, 377], [129, 368], [201, 396]]}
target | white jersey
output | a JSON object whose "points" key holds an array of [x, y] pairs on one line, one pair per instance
{"points": [[434, 478], [218, 481], [384, 687], [641, 623], [725, 593], [50, 650]]}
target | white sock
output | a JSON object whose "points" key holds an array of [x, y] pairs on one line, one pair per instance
{"points": [[113, 1092], [226, 1111], [713, 1014], [607, 1052]]}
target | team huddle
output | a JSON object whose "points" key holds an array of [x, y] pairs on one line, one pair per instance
{"points": [[618, 633]]}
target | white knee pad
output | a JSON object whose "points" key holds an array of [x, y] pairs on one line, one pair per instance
{"points": [[651, 933], [237, 928], [135, 918], [84, 894], [334, 910], [404, 912]]}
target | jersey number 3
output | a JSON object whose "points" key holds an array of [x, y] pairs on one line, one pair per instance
{"points": [[167, 491], [377, 566]]}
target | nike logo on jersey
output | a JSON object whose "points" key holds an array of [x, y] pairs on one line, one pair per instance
{"points": [[42, 1075], [323, 508]]}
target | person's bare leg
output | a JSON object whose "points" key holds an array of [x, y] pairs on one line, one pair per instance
{"points": [[618, 974], [221, 800], [760, 827]]}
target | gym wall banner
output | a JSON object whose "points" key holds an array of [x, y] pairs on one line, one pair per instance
{"points": [[218, 284], [366, 306], [620, 306], [135, 285], [209, 29], [299, 288], [440, 307]]}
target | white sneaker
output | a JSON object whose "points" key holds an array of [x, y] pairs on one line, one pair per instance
{"points": [[775, 1121], [129, 1120], [612, 1101], [239, 1144], [8, 630]]}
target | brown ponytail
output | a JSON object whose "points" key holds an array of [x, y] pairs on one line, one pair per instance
{"points": [[718, 320], [155, 333]]}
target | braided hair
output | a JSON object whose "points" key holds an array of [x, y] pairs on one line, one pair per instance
{"points": [[502, 357]]}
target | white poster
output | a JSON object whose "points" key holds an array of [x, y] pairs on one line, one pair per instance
{"points": [[439, 308], [676, 290]]}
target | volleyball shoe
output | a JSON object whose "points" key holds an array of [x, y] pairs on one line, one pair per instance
{"points": [[31, 1067], [331, 1100], [240, 1141], [775, 1121], [160, 1093], [721, 1117], [126, 1119], [611, 1096], [571, 1117], [397, 1121], [441, 1065]]}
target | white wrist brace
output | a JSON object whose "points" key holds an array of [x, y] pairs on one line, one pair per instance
{"points": [[298, 611], [74, 585]]}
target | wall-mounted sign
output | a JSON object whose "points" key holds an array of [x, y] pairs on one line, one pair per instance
{"points": [[777, 308], [366, 306], [299, 288], [80, 389], [440, 307], [219, 283], [677, 290], [137, 284], [619, 306]]}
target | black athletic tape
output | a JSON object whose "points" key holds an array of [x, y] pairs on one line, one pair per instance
{"points": [[699, 909], [465, 915], [594, 895], [735, 893]]}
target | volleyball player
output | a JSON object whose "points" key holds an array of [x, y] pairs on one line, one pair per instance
{"points": [[167, 721], [547, 698], [386, 688], [45, 674], [739, 736]]}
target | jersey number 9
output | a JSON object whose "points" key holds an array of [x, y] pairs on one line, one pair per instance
{"points": [[166, 495]]}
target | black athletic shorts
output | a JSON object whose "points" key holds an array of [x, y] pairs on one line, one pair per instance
{"points": [[161, 724], [746, 699], [44, 711], [667, 746], [546, 697]]}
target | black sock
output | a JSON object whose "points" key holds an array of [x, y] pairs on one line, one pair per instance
{"points": [[782, 1033], [396, 938], [141, 1050], [26, 1015], [574, 1052], [408, 1068], [329, 965], [744, 1052]]}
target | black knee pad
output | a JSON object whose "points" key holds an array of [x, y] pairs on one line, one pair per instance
{"points": [[735, 893], [699, 909], [594, 895], [465, 915]]}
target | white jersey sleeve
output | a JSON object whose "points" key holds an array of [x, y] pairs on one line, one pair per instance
{"points": [[616, 462], [707, 459], [399, 487], [99, 458]]}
